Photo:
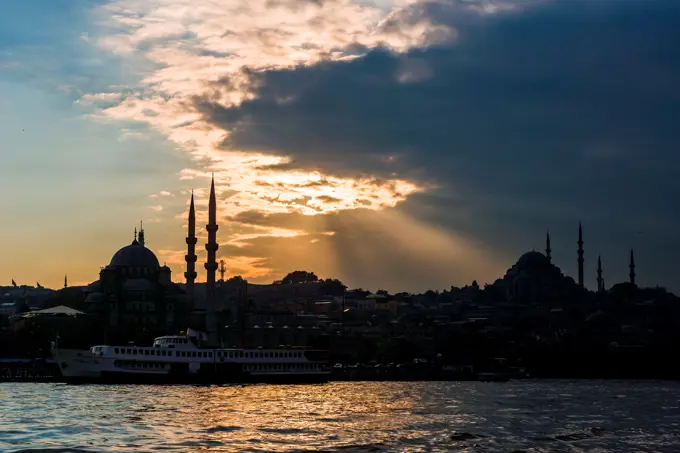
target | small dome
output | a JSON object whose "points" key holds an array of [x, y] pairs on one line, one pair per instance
{"points": [[134, 255], [598, 317], [532, 260], [138, 284], [95, 286]]}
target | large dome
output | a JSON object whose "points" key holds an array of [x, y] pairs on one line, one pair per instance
{"points": [[135, 255], [532, 260]]}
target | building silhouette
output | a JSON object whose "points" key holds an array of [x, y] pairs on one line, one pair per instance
{"points": [[580, 255], [600, 280], [211, 247], [190, 257], [135, 294], [631, 266]]}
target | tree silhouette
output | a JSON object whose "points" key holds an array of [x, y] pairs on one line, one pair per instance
{"points": [[334, 287], [299, 277]]}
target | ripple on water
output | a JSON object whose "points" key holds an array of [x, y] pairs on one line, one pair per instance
{"points": [[530, 416]]}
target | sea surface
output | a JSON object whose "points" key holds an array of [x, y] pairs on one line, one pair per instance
{"points": [[517, 416]]}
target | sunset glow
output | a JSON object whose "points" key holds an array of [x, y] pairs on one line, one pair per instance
{"points": [[431, 127]]}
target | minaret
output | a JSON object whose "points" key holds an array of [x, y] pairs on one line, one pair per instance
{"points": [[547, 247], [632, 268], [211, 247], [580, 255], [190, 257], [65, 281], [600, 281], [141, 234]]}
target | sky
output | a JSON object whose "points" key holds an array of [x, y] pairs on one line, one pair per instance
{"points": [[398, 144]]}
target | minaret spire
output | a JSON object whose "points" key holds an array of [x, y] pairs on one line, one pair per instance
{"points": [[65, 281], [580, 255], [547, 247], [211, 264], [141, 233], [632, 268], [600, 280], [190, 257]]}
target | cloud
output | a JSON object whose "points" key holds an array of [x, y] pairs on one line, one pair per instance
{"points": [[212, 50], [468, 122], [364, 248], [537, 118]]}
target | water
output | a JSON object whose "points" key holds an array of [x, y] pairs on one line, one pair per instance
{"points": [[529, 416]]}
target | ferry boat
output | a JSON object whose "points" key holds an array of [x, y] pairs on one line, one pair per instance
{"points": [[181, 359]]}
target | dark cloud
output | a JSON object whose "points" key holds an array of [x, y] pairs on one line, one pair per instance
{"points": [[563, 111]]}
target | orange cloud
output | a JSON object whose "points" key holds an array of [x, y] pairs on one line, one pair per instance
{"points": [[195, 43]]}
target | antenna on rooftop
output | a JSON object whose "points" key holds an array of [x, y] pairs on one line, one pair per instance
{"points": [[223, 270]]}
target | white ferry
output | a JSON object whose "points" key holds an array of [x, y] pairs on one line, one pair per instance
{"points": [[181, 359]]}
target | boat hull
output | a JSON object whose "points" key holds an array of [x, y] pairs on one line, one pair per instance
{"points": [[77, 363], [108, 377]]}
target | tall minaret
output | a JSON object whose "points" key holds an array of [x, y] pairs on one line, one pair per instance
{"points": [[190, 257], [600, 281], [632, 268], [580, 255], [141, 234], [65, 281], [547, 247], [211, 247]]}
